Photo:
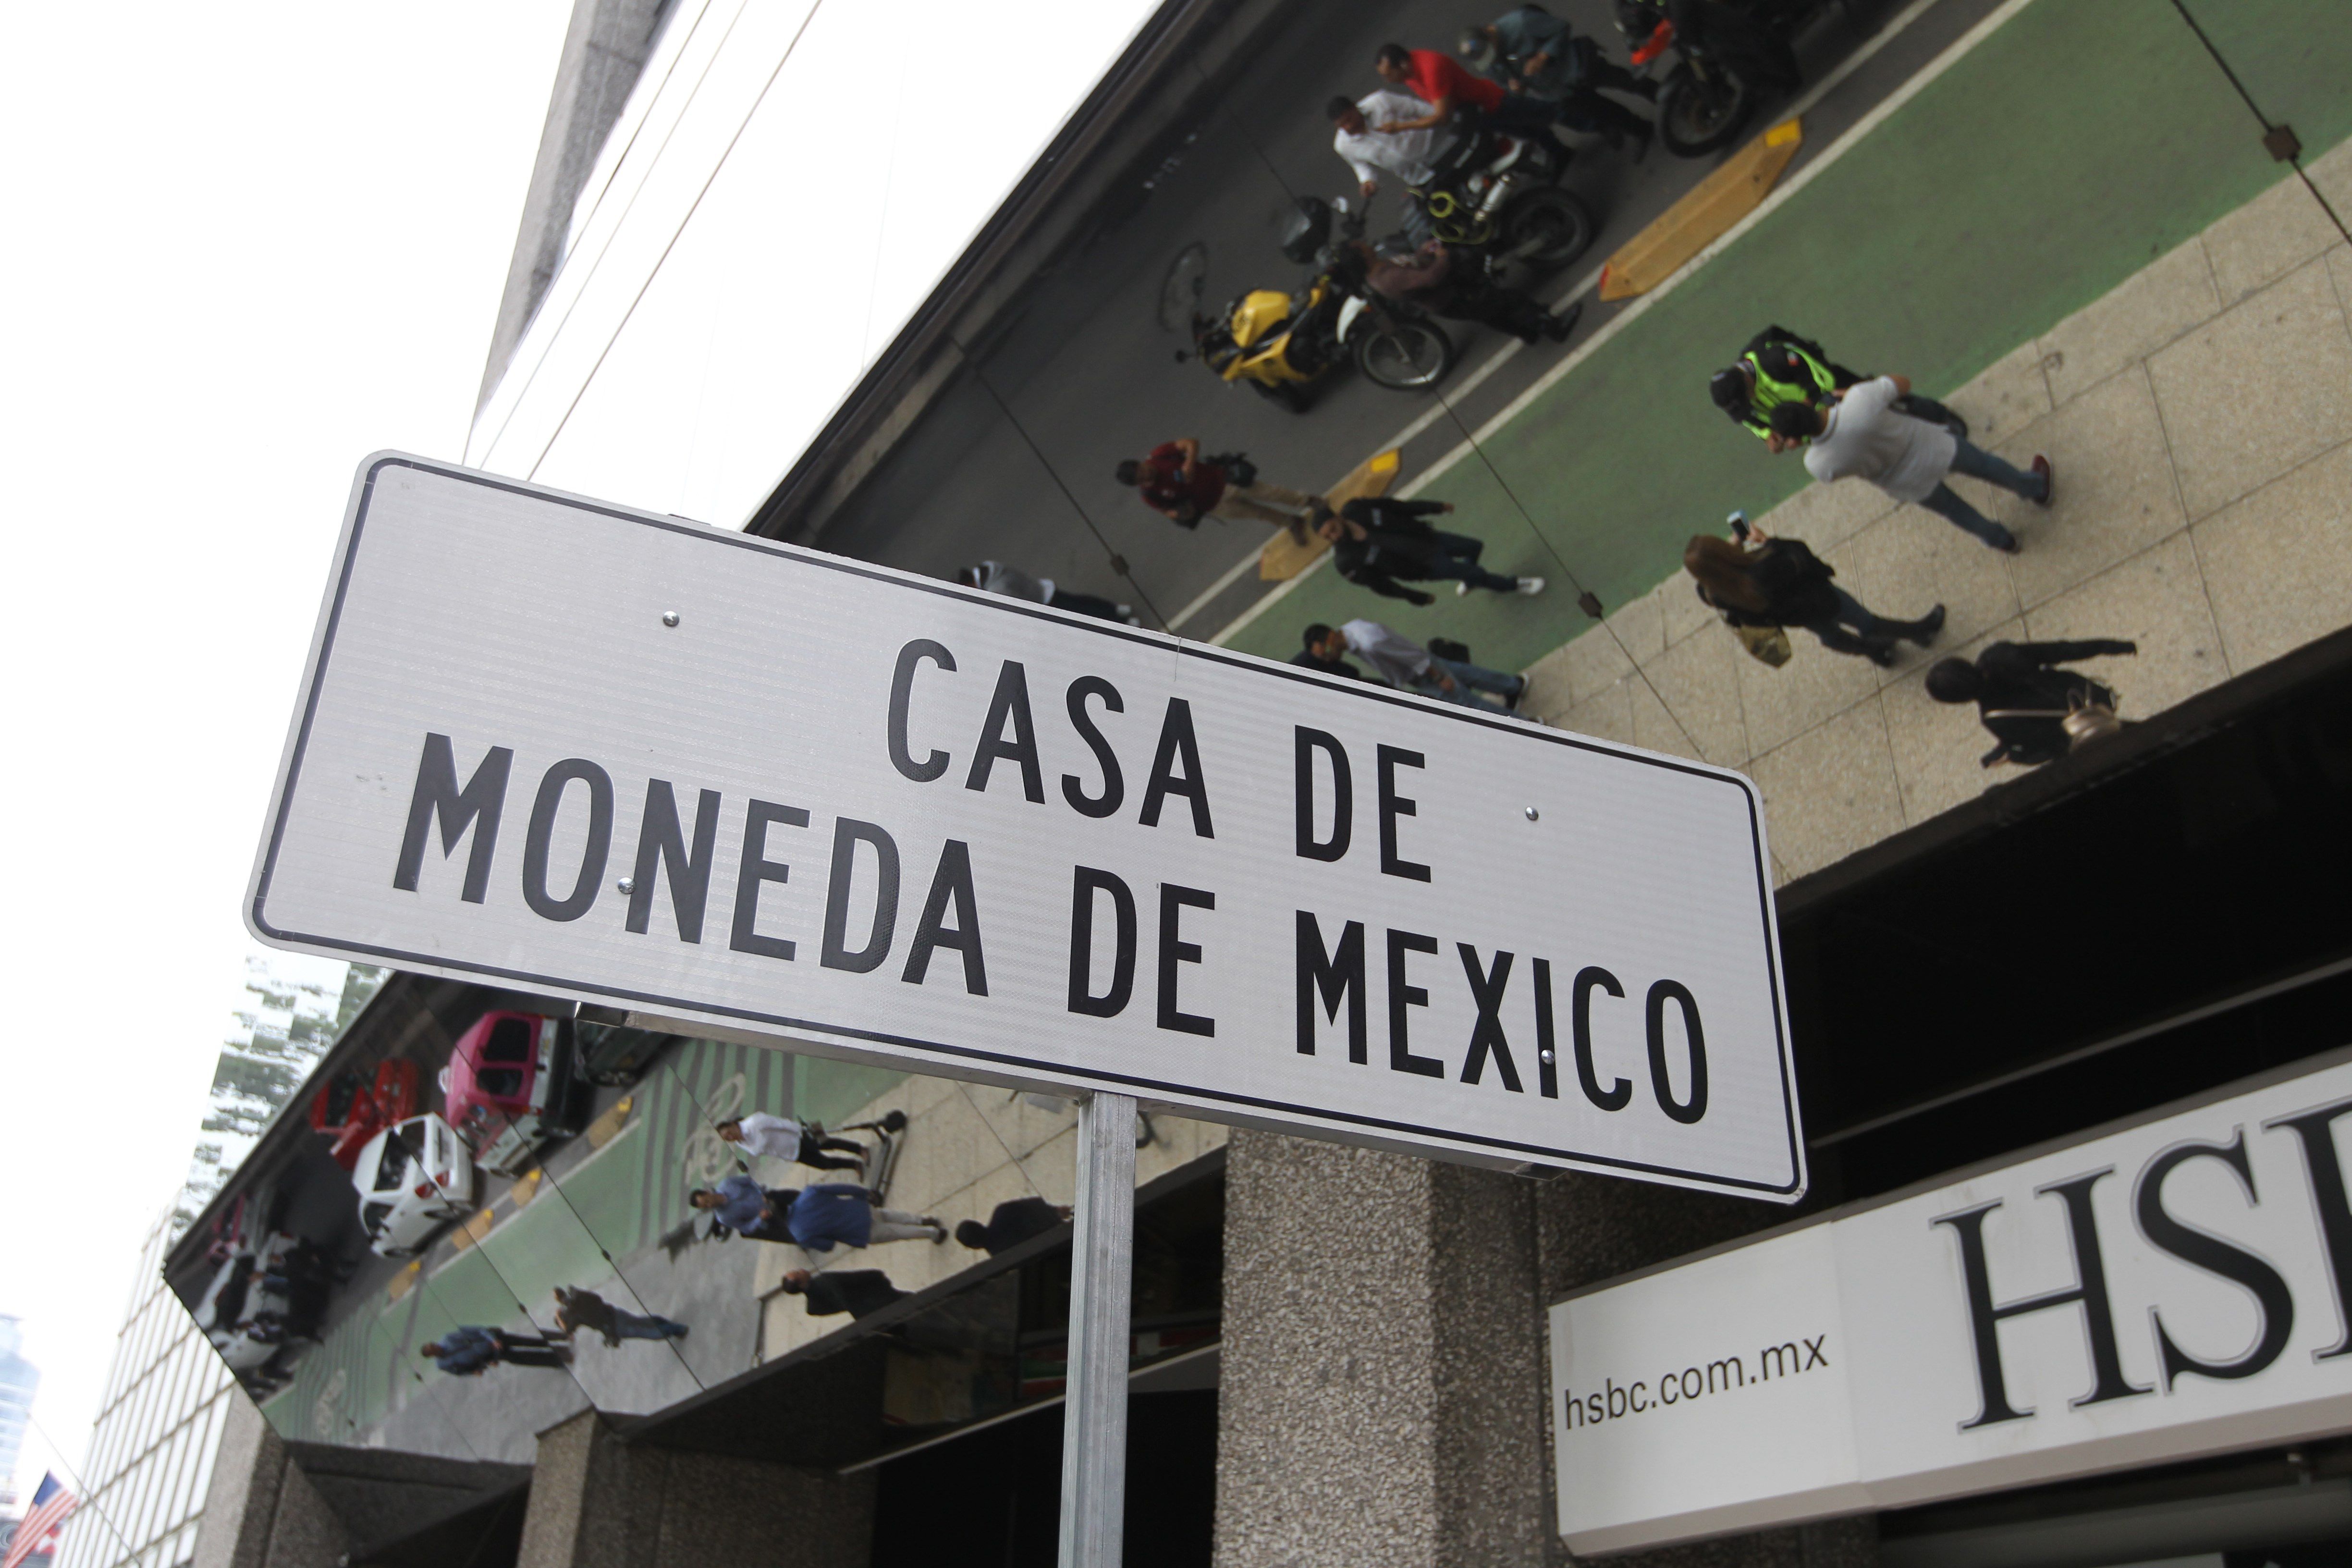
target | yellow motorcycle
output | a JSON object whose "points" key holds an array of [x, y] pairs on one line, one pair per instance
{"points": [[1277, 344]]}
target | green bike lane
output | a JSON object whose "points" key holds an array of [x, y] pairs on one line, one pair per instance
{"points": [[2075, 142], [596, 1213]]}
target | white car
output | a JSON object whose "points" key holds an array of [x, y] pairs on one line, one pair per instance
{"points": [[413, 1179]]}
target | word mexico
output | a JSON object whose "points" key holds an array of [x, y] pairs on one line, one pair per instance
{"points": [[632, 760], [2177, 1288]]}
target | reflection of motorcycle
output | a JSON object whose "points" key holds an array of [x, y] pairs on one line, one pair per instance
{"points": [[1277, 343], [1725, 70], [1495, 198]]}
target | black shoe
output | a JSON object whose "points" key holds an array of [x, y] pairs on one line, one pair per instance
{"points": [[1923, 630], [1880, 652], [1562, 325]]}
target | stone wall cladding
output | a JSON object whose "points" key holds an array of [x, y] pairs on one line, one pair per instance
{"points": [[1326, 1451], [1492, 1462]]}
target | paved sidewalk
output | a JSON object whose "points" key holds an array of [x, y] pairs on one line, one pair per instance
{"points": [[2200, 417], [2072, 145]]}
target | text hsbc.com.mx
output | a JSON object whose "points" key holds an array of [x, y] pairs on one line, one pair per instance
{"points": [[1614, 1400]]}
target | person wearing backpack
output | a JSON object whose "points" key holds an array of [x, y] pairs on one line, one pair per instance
{"points": [[1183, 486], [1781, 583]]}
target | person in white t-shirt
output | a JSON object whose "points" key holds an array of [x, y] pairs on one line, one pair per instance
{"points": [[1861, 436], [782, 1138], [1408, 155], [1405, 664]]}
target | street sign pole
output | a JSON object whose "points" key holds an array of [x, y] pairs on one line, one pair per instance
{"points": [[1102, 1286]]}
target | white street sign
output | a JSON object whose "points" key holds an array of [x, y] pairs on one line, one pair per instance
{"points": [[595, 754]]}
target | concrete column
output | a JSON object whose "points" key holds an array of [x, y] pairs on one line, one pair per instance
{"points": [[1384, 1389], [598, 1502], [262, 1511], [1381, 1398]]}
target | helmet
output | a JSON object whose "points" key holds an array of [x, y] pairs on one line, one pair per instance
{"points": [[1306, 228], [1729, 390], [1476, 49]]}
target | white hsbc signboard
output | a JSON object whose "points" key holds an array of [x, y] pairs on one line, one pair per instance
{"points": [[2177, 1288], [631, 760]]}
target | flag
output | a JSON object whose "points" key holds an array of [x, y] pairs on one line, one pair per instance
{"points": [[51, 1505]]}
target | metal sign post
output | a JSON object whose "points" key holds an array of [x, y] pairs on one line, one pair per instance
{"points": [[1102, 1286]]}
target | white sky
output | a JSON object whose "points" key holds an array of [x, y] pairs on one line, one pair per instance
{"points": [[245, 246]]}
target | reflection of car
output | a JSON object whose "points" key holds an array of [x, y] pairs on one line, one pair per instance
{"points": [[413, 1179], [510, 1088], [614, 1054], [354, 1107]]}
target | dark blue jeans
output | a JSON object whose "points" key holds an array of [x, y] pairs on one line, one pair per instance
{"points": [[1978, 463], [1459, 562], [1833, 628], [632, 1326]]}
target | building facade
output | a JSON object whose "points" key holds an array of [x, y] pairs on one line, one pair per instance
{"points": [[20, 1380], [158, 1431], [2069, 1284]]}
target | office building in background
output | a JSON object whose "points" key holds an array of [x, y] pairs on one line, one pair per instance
{"points": [[19, 1381]]}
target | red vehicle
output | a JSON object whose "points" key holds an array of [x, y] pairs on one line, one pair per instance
{"points": [[352, 1107], [510, 1087]]}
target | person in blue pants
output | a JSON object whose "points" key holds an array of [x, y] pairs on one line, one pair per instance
{"points": [[1860, 436]]}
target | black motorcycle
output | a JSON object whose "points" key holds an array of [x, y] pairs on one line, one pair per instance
{"points": [[1731, 54], [1496, 199]]}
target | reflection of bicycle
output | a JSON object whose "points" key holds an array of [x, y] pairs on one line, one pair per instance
{"points": [[707, 1157]]}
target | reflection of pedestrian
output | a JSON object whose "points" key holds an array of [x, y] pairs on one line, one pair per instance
{"points": [[1011, 1224], [1381, 542], [1454, 93], [1182, 486], [857, 1291], [834, 1212], [782, 1138], [2023, 697], [1404, 663], [471, 1351], [1531, 51], [1862, 436], [1369, 153], [1781, 583], [576, 1309], [740, 1204], [995, 577]]}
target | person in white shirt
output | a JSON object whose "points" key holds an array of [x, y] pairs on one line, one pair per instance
{"points": [[1405, 664], [1862, 436], [1410, 155], [782, 1138]]}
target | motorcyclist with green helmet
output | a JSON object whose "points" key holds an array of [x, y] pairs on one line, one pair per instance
{"points": [[1777, 366]]}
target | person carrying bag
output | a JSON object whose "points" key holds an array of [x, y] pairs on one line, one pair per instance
{"points": [[2036, 711], [1773, 584]]}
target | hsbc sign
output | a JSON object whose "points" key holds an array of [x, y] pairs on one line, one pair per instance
{"points": [[2179, 1288]]}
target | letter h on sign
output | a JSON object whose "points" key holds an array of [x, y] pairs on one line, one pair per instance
{"points": [[2089, 1291]]}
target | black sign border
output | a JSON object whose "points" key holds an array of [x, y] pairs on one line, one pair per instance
{"points": [[289, 775]]}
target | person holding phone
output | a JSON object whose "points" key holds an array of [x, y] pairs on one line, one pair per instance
{"points": [[1760, 581]]}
